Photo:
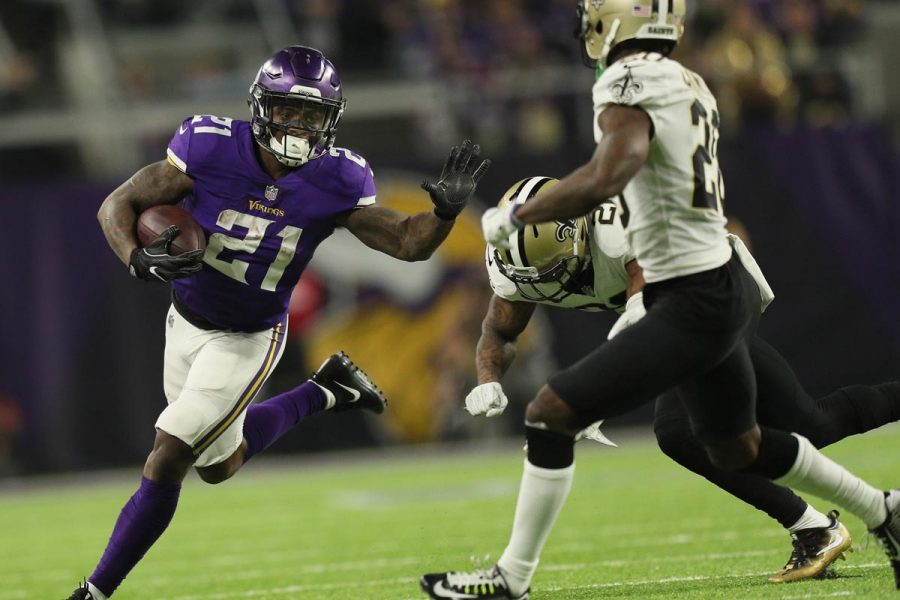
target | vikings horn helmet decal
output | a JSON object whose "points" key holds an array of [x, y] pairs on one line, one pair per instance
{"points": [[301, 83], [544, 259], [601, 25]]}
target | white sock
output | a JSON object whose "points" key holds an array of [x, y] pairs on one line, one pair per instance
{"points": [[811, 518], [541, 496], [95, 592], [814, 473], [329, 396]]}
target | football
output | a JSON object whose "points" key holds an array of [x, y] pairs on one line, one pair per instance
{"points": [[156, 219]]}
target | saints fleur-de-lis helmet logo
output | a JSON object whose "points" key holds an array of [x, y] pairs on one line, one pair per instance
{"points": [[565, 229], [545, 259]]}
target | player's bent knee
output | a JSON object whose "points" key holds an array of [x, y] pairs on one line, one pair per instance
{"points": [[170, 459], [552, 411], [213, 474], [732, 455], [222, 471], [673, 439]]}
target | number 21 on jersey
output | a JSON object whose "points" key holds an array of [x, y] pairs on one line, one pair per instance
{"points": [[256, 229]]}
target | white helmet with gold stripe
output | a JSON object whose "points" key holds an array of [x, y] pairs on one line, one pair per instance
{"points": [[545, 259], [604, 24]]}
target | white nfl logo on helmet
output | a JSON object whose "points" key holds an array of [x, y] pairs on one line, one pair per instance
{"points": [[271, 193]]}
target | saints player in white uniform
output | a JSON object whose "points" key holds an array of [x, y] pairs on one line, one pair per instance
{"points": [[656, 127], [585, 264]]}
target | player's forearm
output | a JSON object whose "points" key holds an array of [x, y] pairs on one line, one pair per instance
{"points": [[617, 159], [575, 195], [496, 349], [581, 191], [635, 278], [493, 356], [157, 183], [422, 235], [117, 217]]}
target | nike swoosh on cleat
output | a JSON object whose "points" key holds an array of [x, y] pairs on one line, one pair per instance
{"points": [[838, 539], [445, 593], [355, 393]]}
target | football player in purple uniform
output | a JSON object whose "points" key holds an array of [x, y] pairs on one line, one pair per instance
{"points": [[266, 192]]}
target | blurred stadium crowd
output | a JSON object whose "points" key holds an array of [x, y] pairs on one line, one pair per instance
{"points": [[769, 60]]}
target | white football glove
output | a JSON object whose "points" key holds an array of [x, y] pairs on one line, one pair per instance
{"points": [[592, 432], [498, 224], [487, 399], [634, 312]]}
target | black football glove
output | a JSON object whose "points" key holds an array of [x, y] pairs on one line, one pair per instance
{"points": [[460, 176], [154, 263]]}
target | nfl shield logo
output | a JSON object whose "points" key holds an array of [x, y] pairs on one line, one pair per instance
{"points": [[271, 193]]}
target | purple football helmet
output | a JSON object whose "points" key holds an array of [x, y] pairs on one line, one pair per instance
{"points": [[297, 90]]}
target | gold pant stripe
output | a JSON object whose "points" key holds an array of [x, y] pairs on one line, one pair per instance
{"points": [[207, 440]]}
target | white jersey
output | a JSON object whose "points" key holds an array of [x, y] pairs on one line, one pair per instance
{"points": [[609, 254], [672, 208]]}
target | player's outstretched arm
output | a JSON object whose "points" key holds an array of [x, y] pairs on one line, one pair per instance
{"points": [[416, 237], [495, 352], [157, 183], [622, 151], [496, 348], [407, 237]]}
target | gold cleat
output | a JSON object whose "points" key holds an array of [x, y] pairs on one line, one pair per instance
{"points": [[814, 551]]}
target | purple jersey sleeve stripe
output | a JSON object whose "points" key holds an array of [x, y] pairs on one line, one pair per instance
{"points": [[367, 201], [207, 440]]}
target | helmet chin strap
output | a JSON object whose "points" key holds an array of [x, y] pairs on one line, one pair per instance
{"points": [[291, 151]]}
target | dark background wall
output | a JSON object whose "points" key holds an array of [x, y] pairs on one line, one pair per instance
{"points": [[81, 342]]}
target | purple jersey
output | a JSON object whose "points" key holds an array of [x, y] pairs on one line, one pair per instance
{"points": [[262, 232]]}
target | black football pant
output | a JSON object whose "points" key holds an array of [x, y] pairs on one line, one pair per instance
{"points": [[781, 403], [694, 340]]}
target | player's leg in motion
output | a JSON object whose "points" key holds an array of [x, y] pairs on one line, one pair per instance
{"points": [[811, 531], [210, 378], [337, 385], [546, 480], [632, 369], [785, 404], [692, 338], [851, 410]]}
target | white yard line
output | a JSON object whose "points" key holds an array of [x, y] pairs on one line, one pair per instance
{"points": [[410, 580]]}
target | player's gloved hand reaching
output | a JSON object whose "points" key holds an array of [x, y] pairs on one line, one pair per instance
{"points": [[634, 312], [498, 223], [487, 399], [461, 174], [154, 263]]}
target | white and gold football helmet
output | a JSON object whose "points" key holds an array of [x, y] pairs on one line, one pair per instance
{"points": [[604, 24], [546, 259]]}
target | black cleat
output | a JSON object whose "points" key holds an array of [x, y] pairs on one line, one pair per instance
{"points": [[477, 585], [814, 551], [352, 389], [82, 593], [888, 533]]}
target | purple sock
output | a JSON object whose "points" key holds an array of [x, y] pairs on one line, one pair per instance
{"points": [[267, 421], [141, 522]]}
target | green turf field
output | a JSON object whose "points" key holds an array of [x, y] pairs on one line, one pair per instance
{"points": [[365, 526]]}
